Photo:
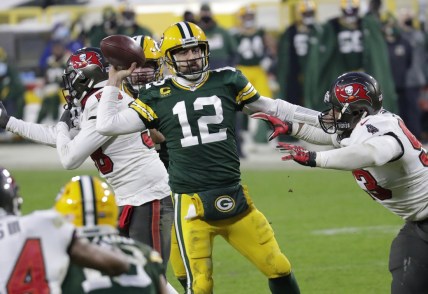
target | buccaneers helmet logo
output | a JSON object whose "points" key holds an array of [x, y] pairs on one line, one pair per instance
{"points": [[84, 59], [351, 93]]}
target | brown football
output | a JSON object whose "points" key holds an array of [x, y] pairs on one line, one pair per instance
{"points": [[121, 51]]}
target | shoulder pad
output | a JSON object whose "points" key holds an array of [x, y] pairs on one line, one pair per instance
{"points": [[374, 125]]}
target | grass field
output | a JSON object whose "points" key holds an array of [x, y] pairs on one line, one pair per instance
{"points": [[335, 236]]}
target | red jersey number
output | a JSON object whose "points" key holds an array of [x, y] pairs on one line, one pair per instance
{"points": [[29, 275], [423, 156], [371, 185], [103, 163], [147, 140]]}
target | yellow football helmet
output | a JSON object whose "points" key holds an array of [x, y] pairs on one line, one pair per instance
{"points": [[183, 35], [350, 7], [87, 201], [305, 6], [153, 58], [306, 12], [249, 9], [247, 16]]}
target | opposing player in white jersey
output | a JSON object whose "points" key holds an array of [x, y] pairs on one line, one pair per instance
{"points": [[128, 163], [387, 161], [37, 248]]}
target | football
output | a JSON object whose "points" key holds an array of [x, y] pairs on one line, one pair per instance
{"points": [[121, 51]]}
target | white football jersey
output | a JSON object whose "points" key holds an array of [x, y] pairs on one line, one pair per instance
{"points": [[129, 163], [400, 185], [34, 252]]}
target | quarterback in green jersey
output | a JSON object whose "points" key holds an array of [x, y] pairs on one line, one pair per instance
{"points": [[195, 111], [90, 205]]}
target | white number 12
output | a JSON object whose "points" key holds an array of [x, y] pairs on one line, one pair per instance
{"points": [[206, 137]]}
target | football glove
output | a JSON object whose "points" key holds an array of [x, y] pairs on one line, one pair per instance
{"points": [[75, 113], [278, 126], [298, 154], [66, 118], [4, 117]]}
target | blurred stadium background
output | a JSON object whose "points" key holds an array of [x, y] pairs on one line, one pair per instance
{"points": [[25, 26]]}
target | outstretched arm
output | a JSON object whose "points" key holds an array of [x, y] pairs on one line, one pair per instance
{"points": [[39, 133], [283, 110], [111, 121], [302, 131], [376, 151], [86, 254]]}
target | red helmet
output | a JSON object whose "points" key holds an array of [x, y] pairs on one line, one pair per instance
{"points": [[85, 70], [351, 97]]}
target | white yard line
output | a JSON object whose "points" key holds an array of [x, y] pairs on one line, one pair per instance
{"points": [[389, 229]]}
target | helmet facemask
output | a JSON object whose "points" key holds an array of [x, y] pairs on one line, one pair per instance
{"points": [[147, 74], [340, 120], [351, 98], [190, 69]]}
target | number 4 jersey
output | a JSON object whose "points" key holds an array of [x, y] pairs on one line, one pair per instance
{"points": [[401, 184], [34, 256]]}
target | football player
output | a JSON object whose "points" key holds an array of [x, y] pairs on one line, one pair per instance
{"points": [[88, 203], [254, 52], [128, 163], [346, 43], [387, 161], [150, 72], [37, 248], [153, 71], [293, 49], [195, 110]]}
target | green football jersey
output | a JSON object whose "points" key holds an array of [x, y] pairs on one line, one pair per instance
{"points": [[251, 48], [350, 44], [199, 127], [142, 277]]}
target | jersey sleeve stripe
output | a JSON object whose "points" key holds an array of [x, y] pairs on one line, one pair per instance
{"points": [[245, 94], [143, 110]]}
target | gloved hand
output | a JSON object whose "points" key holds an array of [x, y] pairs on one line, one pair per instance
{"points": [[4, 117], [278, 126], [75, 113], [66, 117], [298, 154]]}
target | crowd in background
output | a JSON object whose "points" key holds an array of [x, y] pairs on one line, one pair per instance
{"points": [[296, 64]]}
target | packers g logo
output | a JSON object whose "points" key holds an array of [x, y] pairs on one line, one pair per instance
{"points": [[165, 91], [224, 203]]}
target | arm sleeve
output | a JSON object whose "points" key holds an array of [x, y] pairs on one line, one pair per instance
{"points": [[313, 135], [111, 121], [73, 152], [39, 133], [283, 110], [376, 151]]}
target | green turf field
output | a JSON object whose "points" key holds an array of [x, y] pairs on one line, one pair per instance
{"points": [[335, 236]]}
